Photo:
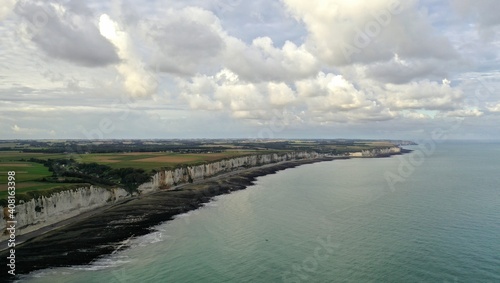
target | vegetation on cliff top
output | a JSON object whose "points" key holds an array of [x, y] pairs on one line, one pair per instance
{"points": [[43, 167]]}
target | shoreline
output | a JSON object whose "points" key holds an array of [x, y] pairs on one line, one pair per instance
{"points": [[84, 238], [84, 215]]}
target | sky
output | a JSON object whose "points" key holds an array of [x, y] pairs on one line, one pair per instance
{"points": [[166, 69]]}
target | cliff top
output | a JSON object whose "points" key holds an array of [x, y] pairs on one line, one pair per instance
{"points": [[41, 166]]}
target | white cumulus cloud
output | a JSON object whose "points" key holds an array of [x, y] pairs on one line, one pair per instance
{"points": [[139, 81]]}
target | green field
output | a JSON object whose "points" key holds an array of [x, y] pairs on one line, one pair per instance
{"points": [[359, 146], [155, 160], [26, 178], [142, 160], [29, 174]]}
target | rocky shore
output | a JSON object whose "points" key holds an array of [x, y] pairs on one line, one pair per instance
{"points": [[82, 241], [46, 211]]}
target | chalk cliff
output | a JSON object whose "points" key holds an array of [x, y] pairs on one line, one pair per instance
{"points": [[377, 152], [169, 178], [44, 211]]}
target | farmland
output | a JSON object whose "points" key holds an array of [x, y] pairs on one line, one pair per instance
{"points": [[156, 160], [29, 174], [44, 165], [27, 177]]}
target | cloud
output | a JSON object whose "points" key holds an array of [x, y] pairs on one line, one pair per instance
{"points": [[424, 94], [22, 132], [400, 71], [199, 93], [280, 94], [6, 8], [184, 41], [331, 92], [322, 68], [203, 46], [331, 98], [66, 31], [484, 12], [494, 107], [16, 128], [344, 32], [262, 61], [463, 113], [414, 115], [139, 81], [324, 98]]}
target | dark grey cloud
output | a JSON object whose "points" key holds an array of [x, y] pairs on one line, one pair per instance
{"points": [[67, 31], [484, 12], [184, 40], [400, 73]]}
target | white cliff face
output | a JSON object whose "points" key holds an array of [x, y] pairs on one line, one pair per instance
{"points": [[376, 152], [169, 178], [44, 211], [381, 151]]}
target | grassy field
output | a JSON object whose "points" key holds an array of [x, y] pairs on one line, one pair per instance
{"points": [[27, 174], [15, 156], [156, 160], [143, 160], [360, 146]]}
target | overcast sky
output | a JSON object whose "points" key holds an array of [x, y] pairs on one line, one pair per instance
{"points": [[249, 69]]}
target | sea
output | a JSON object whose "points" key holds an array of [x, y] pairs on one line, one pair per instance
{"points": [[429, 216]]}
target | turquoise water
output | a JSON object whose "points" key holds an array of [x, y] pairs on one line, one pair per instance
{"points": [[338, 221]]}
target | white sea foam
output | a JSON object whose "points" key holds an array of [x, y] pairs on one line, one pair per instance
{"points": [[110, 261], [44, 273], [211, 204]]}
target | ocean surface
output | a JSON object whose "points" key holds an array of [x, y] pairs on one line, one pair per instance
{"points": [[429, 216]]}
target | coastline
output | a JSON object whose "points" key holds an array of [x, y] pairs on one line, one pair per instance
{"points": [[84, 238], [46, 210]]}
